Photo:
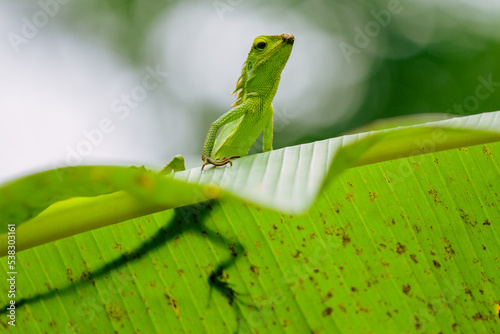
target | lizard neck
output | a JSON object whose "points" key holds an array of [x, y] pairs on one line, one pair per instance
{"points": [[265, 87]]}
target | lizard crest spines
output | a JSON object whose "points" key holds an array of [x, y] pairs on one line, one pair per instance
{"points": [[241, 85]]}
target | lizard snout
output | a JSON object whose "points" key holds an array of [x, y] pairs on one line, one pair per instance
{"points": [[288, 38]]}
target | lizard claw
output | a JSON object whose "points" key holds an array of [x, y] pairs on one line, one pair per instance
{"points": [[218, 161]]}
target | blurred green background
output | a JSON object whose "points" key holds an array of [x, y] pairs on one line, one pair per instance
{"points": [[74, 72]]}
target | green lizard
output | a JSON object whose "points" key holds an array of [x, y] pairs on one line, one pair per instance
{"points": [[252, 112]]}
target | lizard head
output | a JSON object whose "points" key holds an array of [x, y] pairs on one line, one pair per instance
{"points": [[265, 61]]}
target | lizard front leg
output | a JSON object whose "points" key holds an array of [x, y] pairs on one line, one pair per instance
{"points": [[267, 138], [231, 115]]}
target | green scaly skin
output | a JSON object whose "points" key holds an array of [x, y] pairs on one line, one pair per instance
{"points": [[252, 112]]}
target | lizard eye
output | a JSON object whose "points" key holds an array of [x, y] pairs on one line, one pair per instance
{"points": [[261, 45]]}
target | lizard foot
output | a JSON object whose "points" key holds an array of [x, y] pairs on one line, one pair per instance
{"points": [[218, 161]]}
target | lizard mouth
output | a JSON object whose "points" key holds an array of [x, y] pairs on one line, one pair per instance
{"points": [[288, 38]]}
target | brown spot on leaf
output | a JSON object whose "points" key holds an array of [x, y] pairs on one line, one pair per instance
{"points": [[400, 248], [436, 264], [329, 230], [414, 257], [465, 218], [327, 311], [174, 305], [406, 289], [468, 292], [232, 250], [486, 223], [448, 247], [361, 308], [254, 269], [86, 275], [372, 196], [418, 323], [431, 309], [114, 311], [69, 274], [487, 151], [349, 197], [435, 196], [341, 233], [342, 308], [336, 207]]}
